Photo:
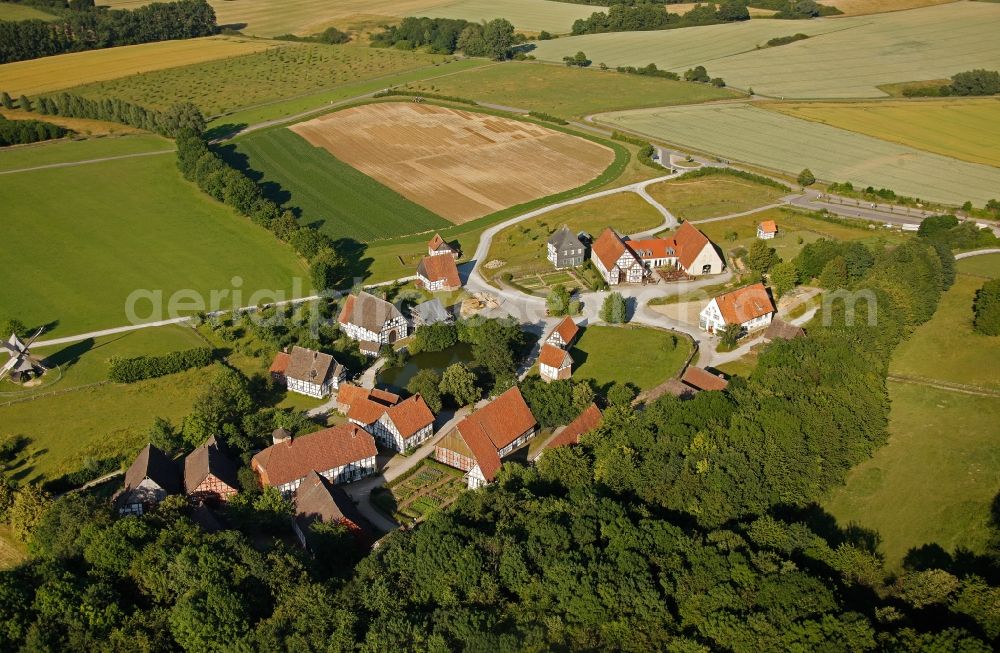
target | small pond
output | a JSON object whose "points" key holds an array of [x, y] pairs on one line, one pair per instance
{"points": [[397, 378]]}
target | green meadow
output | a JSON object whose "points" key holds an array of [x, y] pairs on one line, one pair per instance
{"points": [[651, 356]]}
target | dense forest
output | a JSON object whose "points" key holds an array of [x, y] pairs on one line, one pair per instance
{"points": [[687, 526], [90, 28], [647, 16]]}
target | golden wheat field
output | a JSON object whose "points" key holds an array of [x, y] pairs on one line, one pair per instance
{"points": [[65, 70], [459, 164]]}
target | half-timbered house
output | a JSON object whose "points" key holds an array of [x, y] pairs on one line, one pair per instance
{"points": [[151, 478], [209, 474], [341, 454], [371, 320]]}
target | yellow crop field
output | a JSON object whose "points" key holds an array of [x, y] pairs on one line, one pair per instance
{"points": [[63, 71], [865, 7], [966, 129]]}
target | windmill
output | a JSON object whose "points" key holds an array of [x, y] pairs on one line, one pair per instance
{"points": [[22, 365]]}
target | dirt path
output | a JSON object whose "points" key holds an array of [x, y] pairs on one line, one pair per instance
{"points": [[946, 385], [70, 164]]}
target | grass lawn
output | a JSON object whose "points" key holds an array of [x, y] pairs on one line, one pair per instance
{"points": [[934, 480], [568, 92], [101, 231], [13, 12], [322, 190], [987, 266], [961, 128], [62, 71], [650, 356], [708, 197], [97, 422], [40, 154], [279, 72], [747, 133], [946, 347], [523, 246], [743, 366]]}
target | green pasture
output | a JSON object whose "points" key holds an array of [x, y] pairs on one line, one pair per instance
{"points": [[41, 154], [946, 347], [526, 15], [342, 201], [651, 356], [845, 58], [987, 266], [523, 247], [709, 197], [98, 232], [745, 133], [567, 92], [934, 481], [224, 85], [13, 12]]}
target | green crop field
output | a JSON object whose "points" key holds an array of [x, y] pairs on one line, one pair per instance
{"points": [[568, 92], [42, 154], [522, 246], [745, 133], [528, 15], [935, 479], [966, 129], [279, 72], [100, 231], [650, 355], [846, 58], [708, 197], [10, 11], [947, 348], [344, 202]]}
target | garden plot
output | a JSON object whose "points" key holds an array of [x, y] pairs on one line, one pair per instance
{"points": [[459, 164]]}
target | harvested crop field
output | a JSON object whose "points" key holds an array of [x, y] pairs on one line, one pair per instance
{"points": [[61, 71], [745, 133], [459, 164]]}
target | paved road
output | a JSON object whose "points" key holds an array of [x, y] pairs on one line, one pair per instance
{"points": [[977, 252]]}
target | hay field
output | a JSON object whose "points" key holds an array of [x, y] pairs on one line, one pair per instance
{"points": [[62, 71], [568, 91], [742, 132], [10, 11], [967, 129], [459, 164], [865, 7], [270, 18], [281, 72], [846, 58], [83, 126]]}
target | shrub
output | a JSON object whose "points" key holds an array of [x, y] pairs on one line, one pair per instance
{"points": [[987, 309], [130, 370]]}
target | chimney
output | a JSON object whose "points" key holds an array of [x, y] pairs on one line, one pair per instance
{"points": [[281, 435]]}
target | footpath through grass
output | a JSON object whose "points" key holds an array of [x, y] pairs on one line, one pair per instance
{"points": [[65, 151], [648, 356], [101, 231], [709, 197]]}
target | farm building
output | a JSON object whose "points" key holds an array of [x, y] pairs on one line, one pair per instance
{"points": [[349, 394], [767, 230], [565, 250], [341, 454], [209, 474], [563, 334], [781, 330], [438, 245], [700, 379], [630, 261], [372, 321], [318, 501], [404, 425], [483, 439], [308, 372], [585, 422], [150, 479], [554, 363], [438, 273], [750, 307], [430, 312]]}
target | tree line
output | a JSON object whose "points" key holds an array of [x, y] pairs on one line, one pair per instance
{"points": [[968, 83], [139, 368], [649, 16], [90, 28], [493, 39], [19, 132]]}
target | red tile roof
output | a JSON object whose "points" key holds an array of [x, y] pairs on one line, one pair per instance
{"points": [[690, 242], [320, 451], [554, 357], [585, 422], [440, 268], [654, 248], [745, 304], [769, 227], [608, 248], [702, 379], [366, 411], [567, 329], [437, 243], [348, 394], [386, 397], [411, 415], [493, 427], [280, 364]]}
